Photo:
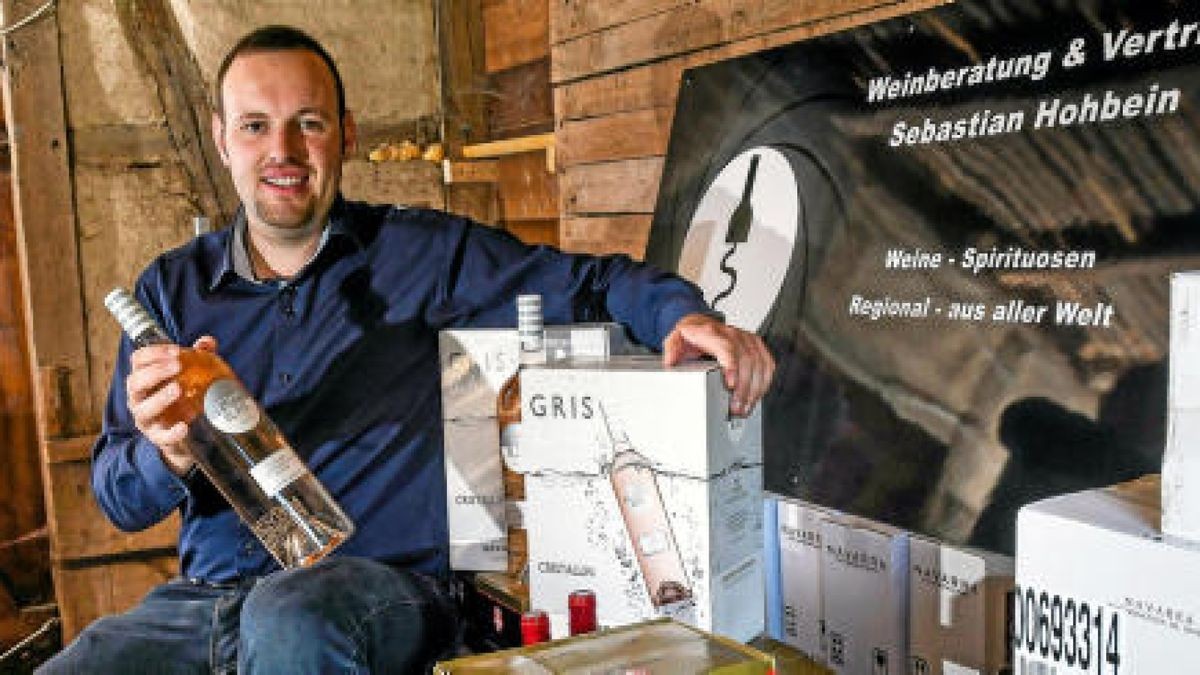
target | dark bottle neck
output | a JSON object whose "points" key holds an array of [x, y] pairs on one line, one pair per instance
{"points": [[151, 336]]}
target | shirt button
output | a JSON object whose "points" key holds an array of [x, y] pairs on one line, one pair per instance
{"points": [[248, 547], [286, 378]]}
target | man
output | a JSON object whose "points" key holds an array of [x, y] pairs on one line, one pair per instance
{"points": [[329, 310]]}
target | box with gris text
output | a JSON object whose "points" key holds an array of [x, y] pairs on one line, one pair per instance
{"points": [[642, 489]]}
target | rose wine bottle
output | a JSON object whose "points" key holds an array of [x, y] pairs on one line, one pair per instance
{"points": [[242, 452], [636, 489]]}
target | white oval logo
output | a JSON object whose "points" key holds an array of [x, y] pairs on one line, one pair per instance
{"points": [[229, 407]]}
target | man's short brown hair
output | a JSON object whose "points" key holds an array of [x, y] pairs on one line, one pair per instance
{"points": [[277, 39]]}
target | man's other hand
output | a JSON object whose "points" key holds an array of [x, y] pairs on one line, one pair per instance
{"points": [[744, 357]]}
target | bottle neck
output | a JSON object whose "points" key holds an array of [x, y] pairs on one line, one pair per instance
{"points": [[150, 336], [137, 323]]}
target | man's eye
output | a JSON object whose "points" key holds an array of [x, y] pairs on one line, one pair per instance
{"points": [[253, 127], [313, 125]]}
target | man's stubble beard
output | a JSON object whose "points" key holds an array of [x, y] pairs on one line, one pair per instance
{"points": [[286, 219]]}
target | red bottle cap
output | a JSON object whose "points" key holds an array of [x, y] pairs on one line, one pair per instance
{"points": [[535, 627], [581, 610]]}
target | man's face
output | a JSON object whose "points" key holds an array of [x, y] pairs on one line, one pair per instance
{"points": [[281, 139]]}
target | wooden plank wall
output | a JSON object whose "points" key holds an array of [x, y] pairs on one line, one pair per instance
{"points": [[615, 69], [517, 67], [24, 541], [51, 286]]}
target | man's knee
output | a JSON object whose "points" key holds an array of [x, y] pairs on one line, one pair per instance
{"points": [[342, 612]]}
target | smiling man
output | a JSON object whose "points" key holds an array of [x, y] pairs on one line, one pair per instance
{"points": [[328, 310]]}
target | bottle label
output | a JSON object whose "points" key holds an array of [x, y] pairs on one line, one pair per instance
{"points": [[278, 471], [229, 407]]}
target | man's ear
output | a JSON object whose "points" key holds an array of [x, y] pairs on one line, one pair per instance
{"points": [[349, 135], [218, 134]]}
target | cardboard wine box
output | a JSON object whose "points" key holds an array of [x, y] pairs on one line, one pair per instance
{"points": [[800, 562], [642, 489], [959, 601], [864, 580], [1100, 589], [475, 364]]}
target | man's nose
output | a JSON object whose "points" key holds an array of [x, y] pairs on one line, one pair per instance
{"points": [[285, 143]]}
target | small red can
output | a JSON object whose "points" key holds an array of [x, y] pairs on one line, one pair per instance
{"points": [[581, 611], [535, 627]]}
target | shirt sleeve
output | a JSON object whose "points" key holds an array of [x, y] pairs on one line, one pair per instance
{"points": [[486, 268], [132, 484]]}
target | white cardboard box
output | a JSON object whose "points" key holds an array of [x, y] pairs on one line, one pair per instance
{"points": [[1100, 590], [1181, 456], [864, 580], [800, 564], [475, 364], [958, 608], [640, 488]]}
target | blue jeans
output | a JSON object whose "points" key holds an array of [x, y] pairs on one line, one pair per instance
{"points": [[342, 615]]}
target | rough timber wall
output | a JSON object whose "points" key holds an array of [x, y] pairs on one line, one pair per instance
{"points": [[615, 67], [109, 119]]}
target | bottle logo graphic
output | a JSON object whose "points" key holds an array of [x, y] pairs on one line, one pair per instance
{"points": [[229, 407]]}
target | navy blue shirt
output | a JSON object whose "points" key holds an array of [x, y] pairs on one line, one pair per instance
{"points": [[344, 359]]}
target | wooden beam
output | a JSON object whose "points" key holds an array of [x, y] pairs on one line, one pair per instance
{"points": [[74, 449], [82, 531], [156, 38], [515, 33], [47, 248], [455, 171], [24, 561], [509, 146], [464, 80], [122, 146], [464, 100], [43, 202], [527, 191]]}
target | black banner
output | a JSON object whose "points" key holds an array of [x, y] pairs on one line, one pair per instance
{"points": [[956, 231]]}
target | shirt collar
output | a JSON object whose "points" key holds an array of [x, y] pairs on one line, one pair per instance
{"points": [[235, 261]]}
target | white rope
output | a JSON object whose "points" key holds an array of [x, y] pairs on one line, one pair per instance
{"points": [[29, 19]]}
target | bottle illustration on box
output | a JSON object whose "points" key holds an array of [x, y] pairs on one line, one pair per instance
{"points": [[242, 452], [636, 489], [532, 335]]}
